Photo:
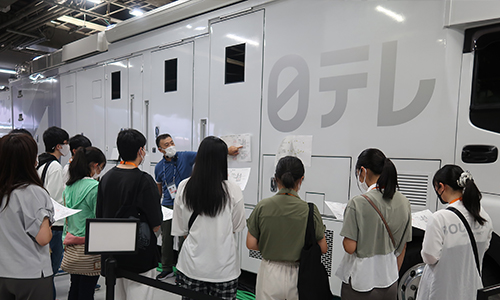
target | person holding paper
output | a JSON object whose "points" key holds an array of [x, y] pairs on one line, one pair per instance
{"points": [[26, 214], [277, 228], [209, 209], [452, 270], [174, 167], [81, 193], [376, 228]]}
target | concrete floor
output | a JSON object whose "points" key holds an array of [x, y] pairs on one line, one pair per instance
{"points": [[62, 288]]}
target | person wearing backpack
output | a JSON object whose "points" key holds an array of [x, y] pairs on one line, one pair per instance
{"points": [[51, 172]]}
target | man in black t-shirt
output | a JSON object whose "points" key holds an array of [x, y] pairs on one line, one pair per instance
{"points": [[125, 191]]}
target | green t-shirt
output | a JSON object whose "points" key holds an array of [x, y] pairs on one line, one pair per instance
{"points": [[363, 224], [279, 224], [80, 195]]}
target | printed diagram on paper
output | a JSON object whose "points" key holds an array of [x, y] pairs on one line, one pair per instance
{"points": [[296, 145], [239, 176], [421, 218], [240, 140]]}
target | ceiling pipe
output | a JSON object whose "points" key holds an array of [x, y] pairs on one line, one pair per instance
{"points": [[17, 18], [25, 34]]}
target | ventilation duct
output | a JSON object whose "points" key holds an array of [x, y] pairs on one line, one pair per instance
{"points": [[167, 14]]}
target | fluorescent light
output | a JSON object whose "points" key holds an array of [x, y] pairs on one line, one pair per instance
{"points": [[81, 23], [242, 40], [390, 13], [136, 12], [95, 1], [8, 71]]}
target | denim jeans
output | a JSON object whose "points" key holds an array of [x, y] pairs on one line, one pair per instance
{"points": [[56, 247]]}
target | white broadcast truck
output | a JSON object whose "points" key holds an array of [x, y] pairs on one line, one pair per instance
{"points": [[419, 80]]}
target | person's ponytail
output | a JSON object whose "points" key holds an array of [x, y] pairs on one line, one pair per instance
{"points": [[375, 160], [80, 164], [458, 179], [289, 170], [388, 180], [471, 197]]}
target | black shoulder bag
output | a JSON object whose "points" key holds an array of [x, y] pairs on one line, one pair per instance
{"points": [[143, 232], [471, 235], [313, 283]]}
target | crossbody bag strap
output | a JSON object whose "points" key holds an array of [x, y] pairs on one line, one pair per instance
{"points": [[383, 220], [191, 220], [309, 237], [471, 235], [44, 172]]}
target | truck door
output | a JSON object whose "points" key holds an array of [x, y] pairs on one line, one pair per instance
{"points": [[478, 132], [171, 106], [236, 46]]}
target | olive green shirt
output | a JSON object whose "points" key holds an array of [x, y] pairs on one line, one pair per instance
{"points": [[363, 224], [279, 224]]}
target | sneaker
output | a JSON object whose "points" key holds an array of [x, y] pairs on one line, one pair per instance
{"points": [[165, 274], [97, 287]]}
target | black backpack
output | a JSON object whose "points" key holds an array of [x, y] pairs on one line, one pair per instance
{"points": [[313, 283]]}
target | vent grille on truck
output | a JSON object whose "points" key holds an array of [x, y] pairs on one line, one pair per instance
{"points": [[414, 187]]}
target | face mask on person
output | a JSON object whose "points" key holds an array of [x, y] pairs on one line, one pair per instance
{"points": [[143, 156], [439, 197], [64, 150], [97, 172], [170, 151], [362, 186]]}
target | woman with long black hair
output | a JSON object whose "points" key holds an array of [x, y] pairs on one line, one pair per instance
{"points": [[377, 226], [81, 193], [451, 270], [26, 214], [209, 209]]}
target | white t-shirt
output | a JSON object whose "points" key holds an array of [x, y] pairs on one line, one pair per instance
{"points": [[451, 271], [54, 184], [209, 252]]}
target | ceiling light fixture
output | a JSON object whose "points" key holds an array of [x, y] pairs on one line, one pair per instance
{"points": [[7, 71], [81, 23], [136, 12], [95, 1]]}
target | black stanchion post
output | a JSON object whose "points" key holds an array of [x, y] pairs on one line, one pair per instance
{"points": [[110, 278]]}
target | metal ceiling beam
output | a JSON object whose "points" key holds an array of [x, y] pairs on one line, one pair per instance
{"points": [[29, 12], [81, 10]]}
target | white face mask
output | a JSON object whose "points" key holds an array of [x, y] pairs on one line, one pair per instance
{"points": [[142, 156], [170, 151], [64, 150], [362, 186], [97, 173]]}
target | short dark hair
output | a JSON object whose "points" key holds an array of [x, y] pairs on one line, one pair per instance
{"points": [[20, 130], [162, 137], [129, 141], [78, 141], [289, 170], [54, 136]]}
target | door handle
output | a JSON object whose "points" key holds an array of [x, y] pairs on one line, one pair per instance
{"points": [[479, 154]]}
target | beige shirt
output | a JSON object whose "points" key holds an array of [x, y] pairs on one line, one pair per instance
{"points": [[279, 224]]}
